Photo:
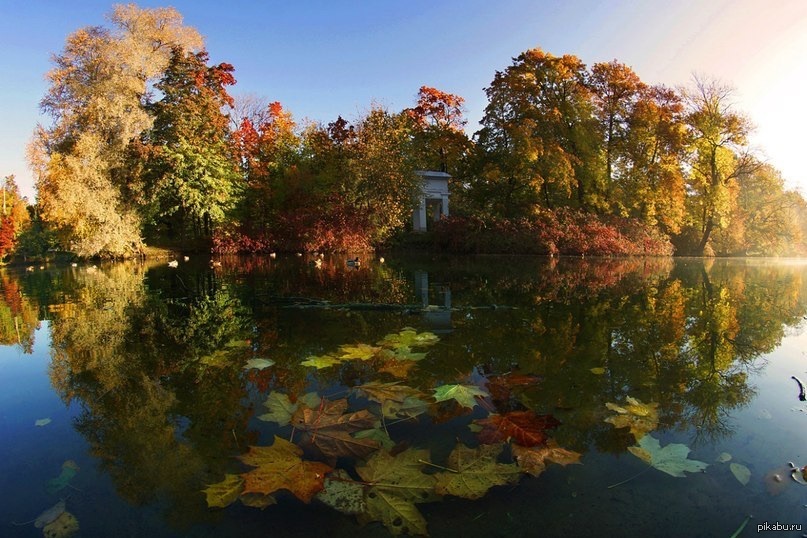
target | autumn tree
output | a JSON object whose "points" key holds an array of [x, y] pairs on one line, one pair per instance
{"points": [[651, 185], [616, 89], [14, 218], [98, 88], [765, 219], [192, 175], [718, 156], [538, 140], [439, 141]]}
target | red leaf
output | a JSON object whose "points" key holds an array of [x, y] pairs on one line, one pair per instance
{"points": [[524, 427]]}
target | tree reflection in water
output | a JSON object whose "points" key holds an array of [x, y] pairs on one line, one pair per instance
{"points": [[156, 356]]}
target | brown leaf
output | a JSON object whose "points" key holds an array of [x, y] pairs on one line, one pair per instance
{"points": [[329, 429], [533, 460], [501, 387], [280, 466], [524, 427]]}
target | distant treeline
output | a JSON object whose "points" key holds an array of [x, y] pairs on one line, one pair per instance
{"points": [[146, 145]]}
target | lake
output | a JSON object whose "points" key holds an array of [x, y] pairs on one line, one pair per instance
{"points": [[487, 396]]}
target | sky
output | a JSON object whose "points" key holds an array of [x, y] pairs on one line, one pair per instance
{"points": [[322, 59]]}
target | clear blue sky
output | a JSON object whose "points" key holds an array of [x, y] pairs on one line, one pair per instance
{"points": [[322, 59]]}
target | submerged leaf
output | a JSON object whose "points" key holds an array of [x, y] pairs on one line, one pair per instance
{"points": [[475, 471], [42, 422], [597, 370], [362, 352], [258, 364], [463, 394], [741, 473], [321, 361], [533, 460], [524, 427], [408, 338], [224, 493], [641, 418], [50, 515], [257, 500], [329, 428], [64, 526], [280, 409], [280, 466], [69, 470], [723, 457], [672, 459]]}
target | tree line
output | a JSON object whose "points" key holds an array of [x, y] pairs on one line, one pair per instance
{"points": [[147, 145]]}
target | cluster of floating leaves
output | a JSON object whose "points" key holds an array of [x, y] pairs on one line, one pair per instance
{"points": [[389, 478], [642, 418]]}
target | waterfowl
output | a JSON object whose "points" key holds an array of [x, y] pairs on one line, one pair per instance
{"points": [[29, 268], [354, 262], [173, 263], [186, 258], [381, 259], [273, 255], [74, 264]]}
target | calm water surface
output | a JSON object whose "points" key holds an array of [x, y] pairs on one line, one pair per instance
{"points": [[127, 391]]}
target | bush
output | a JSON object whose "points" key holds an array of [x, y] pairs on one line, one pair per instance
{"points": [[563, 231]]}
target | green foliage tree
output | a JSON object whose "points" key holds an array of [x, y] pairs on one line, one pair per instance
{"points": [[192, 176]]}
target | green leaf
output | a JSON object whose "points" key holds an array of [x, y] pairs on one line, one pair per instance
{"points": [[321, 361], [598, 370], [224, 493], [741, 473], [258, 364], [474, 471], [280, 409], [723, 457], [463, 394], [408, 338], [397, 483], [672, 459]]}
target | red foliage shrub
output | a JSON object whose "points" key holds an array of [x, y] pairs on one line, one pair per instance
{"points": [[333, 226], [563, 231]]}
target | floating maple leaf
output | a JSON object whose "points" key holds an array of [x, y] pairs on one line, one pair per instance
{"points": [[672, 459], [408, 338], [224, 493], [381, 392], [463, 394], [524, 427], [280, 466], [329, 428], [396, 484], [640, 417], [362, 352], [281, 407], [321, 361], [533, 460], [474, 471]]}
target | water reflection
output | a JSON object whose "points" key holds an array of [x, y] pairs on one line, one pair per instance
{"points": [[156, 356]]}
